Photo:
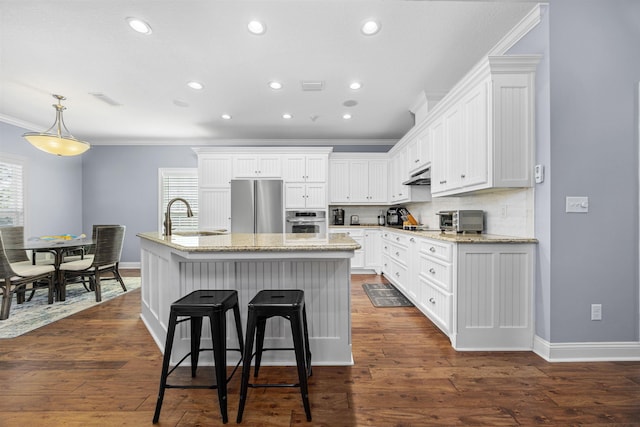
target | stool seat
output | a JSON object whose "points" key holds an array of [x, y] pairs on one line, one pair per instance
{"points": [[193, 307], [289, 304]]}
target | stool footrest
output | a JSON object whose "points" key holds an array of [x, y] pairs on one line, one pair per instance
{"points": [[273, 385]]}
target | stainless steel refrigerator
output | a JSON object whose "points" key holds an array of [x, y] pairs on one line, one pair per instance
{"points": [[257, 206]]}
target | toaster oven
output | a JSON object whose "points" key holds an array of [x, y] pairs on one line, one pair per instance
{"points": [[462, 221]]}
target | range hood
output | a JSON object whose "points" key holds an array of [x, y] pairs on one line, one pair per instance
{"points": [[422, 177]]}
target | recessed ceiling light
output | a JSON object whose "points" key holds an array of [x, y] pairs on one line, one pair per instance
{"points": [[346, 116], [139, 25], [275, 85], [195, 85], [256, 27], [287, 116], [370, 27], [180, 103], [350, 103], [226, 116], [355, 85]]}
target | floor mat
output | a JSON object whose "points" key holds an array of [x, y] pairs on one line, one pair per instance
{"points": [[385, 295]]}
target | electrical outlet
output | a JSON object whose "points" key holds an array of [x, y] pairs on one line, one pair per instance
{"points": [[596, 311], [505, 211], [577, 204]]}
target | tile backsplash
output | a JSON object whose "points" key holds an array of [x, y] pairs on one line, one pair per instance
{"points": [[507, 212]]}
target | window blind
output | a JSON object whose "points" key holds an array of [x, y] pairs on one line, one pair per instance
{"points": [[11, 193], [179, 183]]}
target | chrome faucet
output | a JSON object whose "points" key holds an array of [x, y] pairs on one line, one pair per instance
{"points": [[167, 215]]}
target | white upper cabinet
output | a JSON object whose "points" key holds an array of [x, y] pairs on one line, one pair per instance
{"points": [[358, 179], [304, 168], [214, 170], [482, 131], [419, 151], [257, 166]]}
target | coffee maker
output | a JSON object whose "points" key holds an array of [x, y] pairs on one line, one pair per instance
{"points": [[338, 217], [394, 217]]}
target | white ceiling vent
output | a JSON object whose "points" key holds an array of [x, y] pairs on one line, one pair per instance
{"points": [[104, 98], [312, 85]]}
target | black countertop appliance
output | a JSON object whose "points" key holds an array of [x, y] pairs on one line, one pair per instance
{"points": [[338, 217], [394, 217]]}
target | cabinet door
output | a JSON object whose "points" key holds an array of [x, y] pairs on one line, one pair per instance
{"points": [[402, 174], [295, 195], [245, 166], [377, 179], [316, 168], [439, 165], [372, 249], [474, 169], [294, 168], [339, 181], [316, 196], [214, 209], [270, 167], [214, 171], [358, 181], [455, 133]]}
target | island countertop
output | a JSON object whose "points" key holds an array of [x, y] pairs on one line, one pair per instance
{"points": [[247, 242]]}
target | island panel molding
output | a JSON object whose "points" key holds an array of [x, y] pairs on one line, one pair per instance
{"points": [[320, 267]]}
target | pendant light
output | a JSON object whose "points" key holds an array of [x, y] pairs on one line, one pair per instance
{"points": [[57, 139]]}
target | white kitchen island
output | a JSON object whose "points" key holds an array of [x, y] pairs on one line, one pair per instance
{"points": [[173, 266]]}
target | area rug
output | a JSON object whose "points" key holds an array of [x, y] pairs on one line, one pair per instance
{"points": [[385, 295], [36, 313]]}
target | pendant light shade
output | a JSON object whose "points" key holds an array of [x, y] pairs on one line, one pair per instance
{"points": [[57, 139]]}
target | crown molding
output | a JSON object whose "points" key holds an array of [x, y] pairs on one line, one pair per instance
{"points": [[526, 24]]}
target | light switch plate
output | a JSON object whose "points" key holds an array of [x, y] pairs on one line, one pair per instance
{"points": [[539, 173], [577, 204]]}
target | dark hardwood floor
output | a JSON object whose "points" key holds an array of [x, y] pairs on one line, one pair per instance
{"points": [[100, 367]]}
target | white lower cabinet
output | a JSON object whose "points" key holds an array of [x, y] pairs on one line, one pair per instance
{"points": [[478, 294], [369, 256]]}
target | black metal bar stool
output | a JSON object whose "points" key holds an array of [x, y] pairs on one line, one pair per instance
{"points": [[194, 306], [290, 305]]}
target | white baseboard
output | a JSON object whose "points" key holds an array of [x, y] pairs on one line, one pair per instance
{"points": [[587, 351], [129, 265]]}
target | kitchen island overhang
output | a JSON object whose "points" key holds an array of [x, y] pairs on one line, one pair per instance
{"points": [[173, 266]]}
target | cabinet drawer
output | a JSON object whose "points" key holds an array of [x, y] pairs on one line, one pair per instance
{"points": [[398, 253], [399, 274], [437, 249], [354, 232], [400, 239], [437, 304], [436, 271], [386, 265]]}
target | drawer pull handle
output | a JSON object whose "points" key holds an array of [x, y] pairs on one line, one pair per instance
{"points": [[432, 301], [412, 239], [432, 249], [397, 254], [432, 271], [397, 274]]}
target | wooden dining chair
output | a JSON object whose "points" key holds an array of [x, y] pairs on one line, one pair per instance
{"points": [[14, 278], [105, 260]]}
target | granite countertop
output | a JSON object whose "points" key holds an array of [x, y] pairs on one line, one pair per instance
{"points": [[245, 242], [448, 236]]}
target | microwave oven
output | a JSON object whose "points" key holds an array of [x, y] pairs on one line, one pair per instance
{"points": [[462, 221]]}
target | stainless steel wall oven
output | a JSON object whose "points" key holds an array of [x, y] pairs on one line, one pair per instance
{"points": [[306, 222]]}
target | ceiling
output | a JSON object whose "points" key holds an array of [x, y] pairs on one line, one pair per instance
{"points": [[81, 48]]}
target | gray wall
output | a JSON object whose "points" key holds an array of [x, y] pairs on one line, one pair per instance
{"points": [[594, 74], [121, 187], [54, 186]]}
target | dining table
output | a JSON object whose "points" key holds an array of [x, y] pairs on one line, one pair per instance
{"points": [[57, 247]]}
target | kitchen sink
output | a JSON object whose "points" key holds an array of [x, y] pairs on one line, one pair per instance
{"points": [[199, 233]]}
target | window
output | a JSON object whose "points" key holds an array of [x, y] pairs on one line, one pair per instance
{"points": [[179, 183], [12, 190]]}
